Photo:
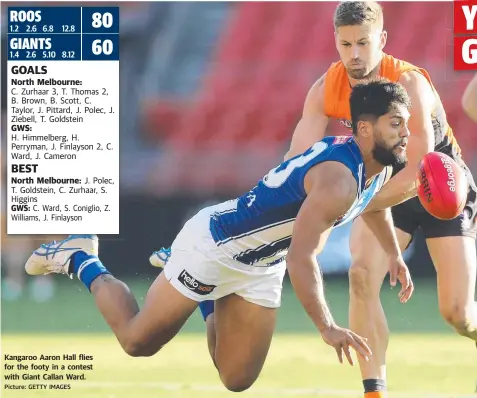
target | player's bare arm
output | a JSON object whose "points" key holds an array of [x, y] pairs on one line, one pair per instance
{"points": [[331, 190], [381, 224], [312, 125], [421, 141], [469, 99]]}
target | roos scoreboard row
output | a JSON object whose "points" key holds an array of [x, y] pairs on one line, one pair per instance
{"points": [[63, 120]]}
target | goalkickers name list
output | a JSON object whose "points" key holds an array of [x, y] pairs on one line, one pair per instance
{"points": [[63, 120]]}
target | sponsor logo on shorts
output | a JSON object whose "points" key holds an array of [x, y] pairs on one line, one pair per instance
{"points": [[193, 284], [425, 184]]}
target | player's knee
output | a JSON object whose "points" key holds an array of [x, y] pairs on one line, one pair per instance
{"points": [[359, 279], [236, 382], [139, 349], [459, 318]]}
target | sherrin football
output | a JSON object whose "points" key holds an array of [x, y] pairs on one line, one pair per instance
{"points": [[442, 188]]}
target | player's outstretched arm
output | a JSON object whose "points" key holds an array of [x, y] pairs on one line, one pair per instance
{"points": [[331, 190], [403, 186], [469, 99], [312, 126]]}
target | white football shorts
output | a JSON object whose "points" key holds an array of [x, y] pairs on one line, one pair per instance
{"points": [[200, 270]]}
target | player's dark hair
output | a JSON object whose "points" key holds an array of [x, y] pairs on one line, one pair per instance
{"points": [[350, 13], [371, 100]]}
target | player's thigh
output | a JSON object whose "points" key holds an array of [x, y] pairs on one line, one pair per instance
{"points": [[245, 322], [188, 278], [243, 335]]}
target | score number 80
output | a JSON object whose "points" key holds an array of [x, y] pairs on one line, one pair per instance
{"points": [[102, 21]]}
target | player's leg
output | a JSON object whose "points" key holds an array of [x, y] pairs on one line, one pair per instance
{"points": [[454, 258], [159, 259], [366, 314], [239, 334], [139, 332], [207, 308], [142, 332], [451, 245], [241, 326], [243, 333]]}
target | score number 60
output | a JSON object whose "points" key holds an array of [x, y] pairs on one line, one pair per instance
{"points": [[99, 46]]}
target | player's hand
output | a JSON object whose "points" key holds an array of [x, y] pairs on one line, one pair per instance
{"points": [[398, 271], [342, 339]]}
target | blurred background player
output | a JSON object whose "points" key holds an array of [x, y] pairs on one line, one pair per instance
{"points": [[360, 40], [469, 99], [234, 253]]}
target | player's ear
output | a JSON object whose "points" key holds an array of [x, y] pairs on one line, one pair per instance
{"points": [[364, 128], [383, 39]]}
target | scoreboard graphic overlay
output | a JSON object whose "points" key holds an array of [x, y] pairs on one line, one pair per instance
{"points": [[63, 120]]}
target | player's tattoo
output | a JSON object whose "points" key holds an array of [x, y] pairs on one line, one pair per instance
{"points": [[106, 278]]}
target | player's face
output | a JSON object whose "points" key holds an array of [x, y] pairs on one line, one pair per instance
{"points": [[390, 137], [360, 48]]}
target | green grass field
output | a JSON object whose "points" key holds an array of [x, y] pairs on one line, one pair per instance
{"points": [[437, 366], [425, 358]]}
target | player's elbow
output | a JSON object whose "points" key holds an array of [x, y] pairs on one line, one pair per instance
{"points": [[297, 259], [292, 258], [469, 105], [465, 103]]}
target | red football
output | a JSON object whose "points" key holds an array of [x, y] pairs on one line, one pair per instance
{"points": [[443, 186]]}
